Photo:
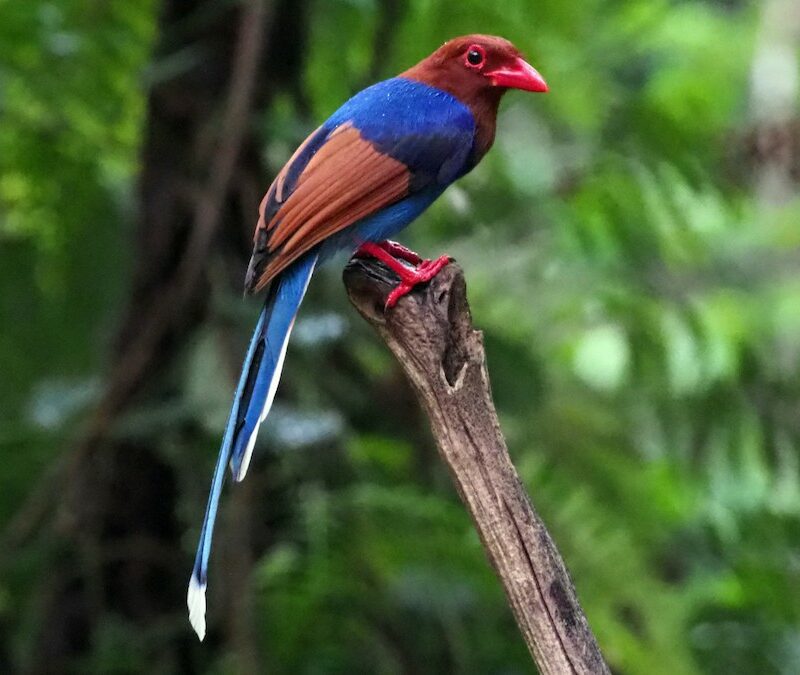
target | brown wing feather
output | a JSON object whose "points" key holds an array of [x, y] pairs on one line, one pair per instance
{"points": [[347, 179]]}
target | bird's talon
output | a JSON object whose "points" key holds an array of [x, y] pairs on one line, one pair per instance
{"points": [[397, 292], [409, 279]]}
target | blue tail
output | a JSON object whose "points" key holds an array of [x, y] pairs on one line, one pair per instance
{"points": [[257, 384]]}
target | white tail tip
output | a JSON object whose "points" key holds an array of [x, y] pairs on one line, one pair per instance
{"points": [[196, 601], [248, 455]]}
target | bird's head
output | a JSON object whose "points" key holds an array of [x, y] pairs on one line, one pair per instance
{"points": [[478, 65]]}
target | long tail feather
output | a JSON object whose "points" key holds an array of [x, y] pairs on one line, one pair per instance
{"points": [[267, 371], [254, 395]]}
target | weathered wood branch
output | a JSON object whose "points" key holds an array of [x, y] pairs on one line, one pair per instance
{"points": [[430, 332]]}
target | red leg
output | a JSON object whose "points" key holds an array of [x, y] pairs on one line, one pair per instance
{"points": [[425, 269], [397, 251], [400, 251], [372, 250]]}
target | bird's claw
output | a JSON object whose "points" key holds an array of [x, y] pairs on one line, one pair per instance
{"points": [[392, 254], [424, 272]]}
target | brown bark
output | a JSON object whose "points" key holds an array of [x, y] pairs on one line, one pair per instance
{"points": [[773, 142], [430, 332]]}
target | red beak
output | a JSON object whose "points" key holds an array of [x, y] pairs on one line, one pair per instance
{"points": [[518, 75]]}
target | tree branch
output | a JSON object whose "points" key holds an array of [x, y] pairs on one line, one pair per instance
{"points": [[430, 332]]}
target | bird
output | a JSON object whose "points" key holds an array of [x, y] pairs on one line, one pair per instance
{"points": [[368, 171]]}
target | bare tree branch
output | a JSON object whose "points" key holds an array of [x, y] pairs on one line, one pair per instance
{"points": [[431, 334]]}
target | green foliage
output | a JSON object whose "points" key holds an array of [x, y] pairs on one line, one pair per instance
{"points": [[71, 108], [639, 302]]}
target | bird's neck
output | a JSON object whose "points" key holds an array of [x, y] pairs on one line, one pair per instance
{"points": [[484, 110]]}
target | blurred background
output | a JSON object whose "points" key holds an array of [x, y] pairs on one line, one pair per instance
{"points": [[631, 247]]}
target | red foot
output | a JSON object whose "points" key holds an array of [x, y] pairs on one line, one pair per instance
{"points": [[388, 253], [425, 271]]}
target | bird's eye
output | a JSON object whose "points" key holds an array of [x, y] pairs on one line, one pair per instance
{"points": [[476, 55]]}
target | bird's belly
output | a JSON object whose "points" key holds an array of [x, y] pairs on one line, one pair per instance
{"points": [[384, 224]]}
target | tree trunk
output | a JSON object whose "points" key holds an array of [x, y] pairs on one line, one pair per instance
{"points": [[201, 180]]}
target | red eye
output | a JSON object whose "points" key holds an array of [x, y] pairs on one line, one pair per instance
{"points": [[476, 55]]}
